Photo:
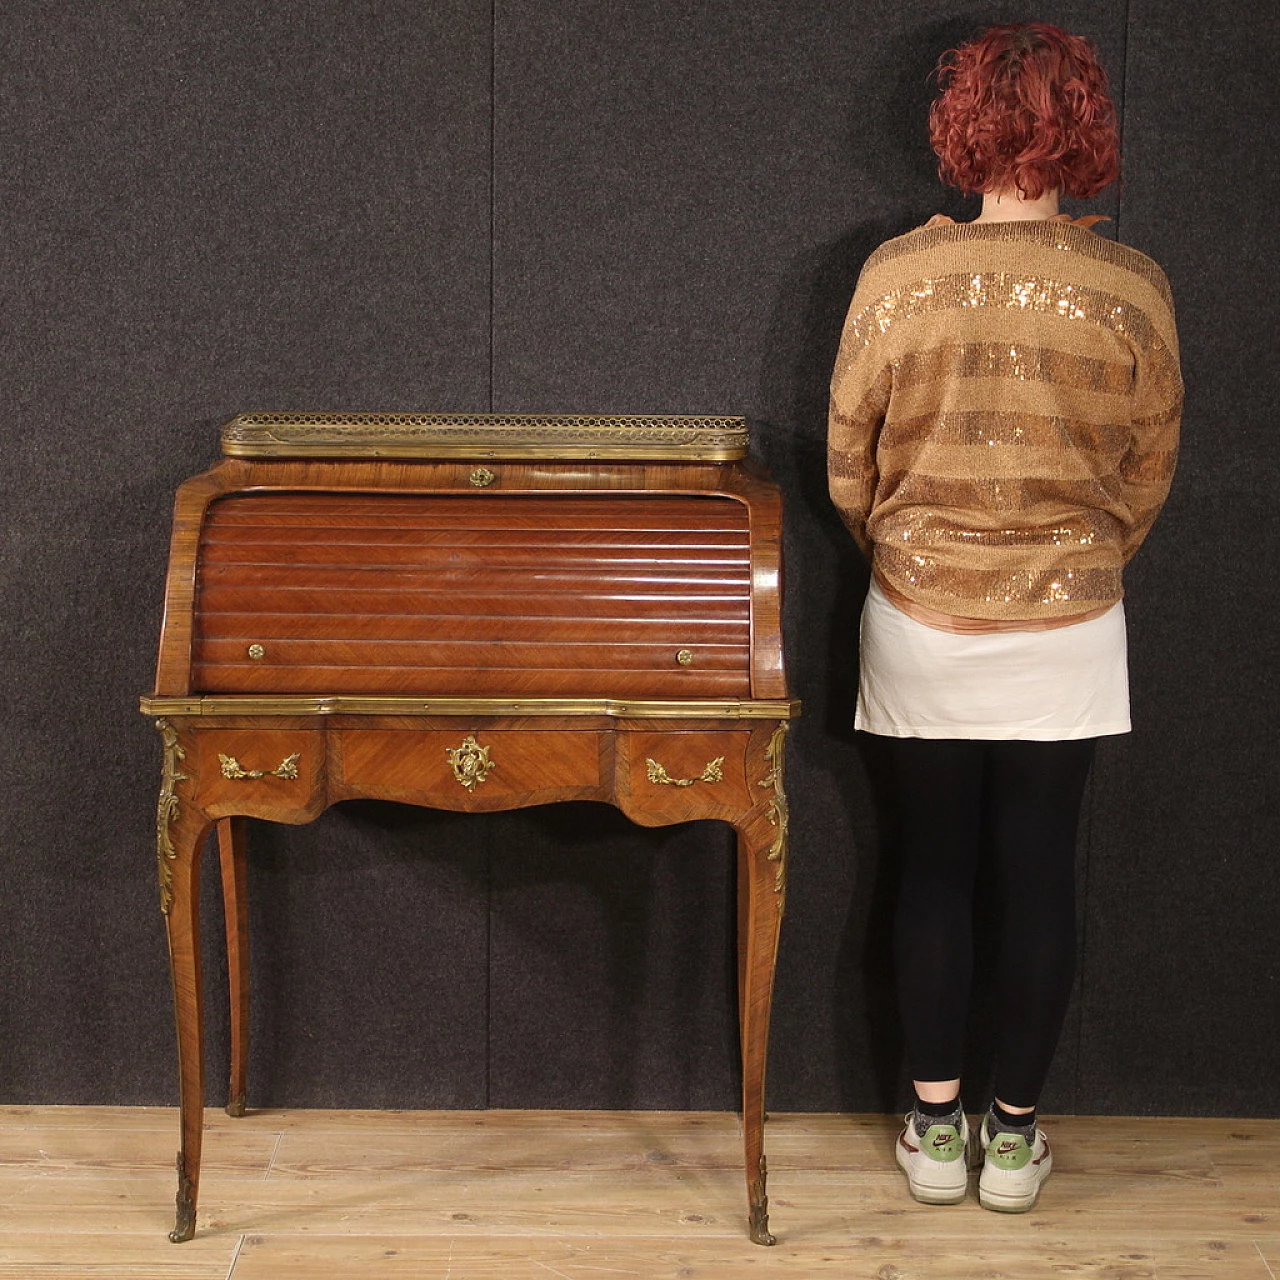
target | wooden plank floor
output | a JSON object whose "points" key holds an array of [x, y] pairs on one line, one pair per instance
{"points": [[309, 1195]]}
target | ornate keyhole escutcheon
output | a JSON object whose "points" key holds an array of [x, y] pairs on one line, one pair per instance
{"points": [[482, 477], [470, 762]]}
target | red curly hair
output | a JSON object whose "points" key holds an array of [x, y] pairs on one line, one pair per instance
{"points": [[1026, 107]]}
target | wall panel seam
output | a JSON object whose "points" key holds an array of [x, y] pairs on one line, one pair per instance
{"points": [[493, 182], [489, 820], [1123, 111]]}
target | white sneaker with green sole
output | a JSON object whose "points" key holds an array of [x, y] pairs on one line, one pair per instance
{"points": [[1013, 1170], [935, 1165]]}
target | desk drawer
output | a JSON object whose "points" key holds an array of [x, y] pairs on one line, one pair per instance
{"points": [[257, 768], [675, 767], [459, 763]]}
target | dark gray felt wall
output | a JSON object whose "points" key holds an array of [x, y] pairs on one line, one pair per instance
{"points": [[582, 206]]}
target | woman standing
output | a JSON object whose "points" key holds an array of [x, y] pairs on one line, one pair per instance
{"points": [[1003, 432]]}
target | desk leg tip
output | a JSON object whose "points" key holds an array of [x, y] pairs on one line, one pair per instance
{"points": [[758, 1203], [759, 1225], [185, 1226], [236, 1107]]}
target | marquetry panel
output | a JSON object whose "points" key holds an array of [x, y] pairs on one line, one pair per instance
{"points": [[449, 767], [667, 769], [251, 771]]}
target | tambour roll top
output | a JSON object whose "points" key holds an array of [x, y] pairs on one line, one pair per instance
{"points": [[481, 556], [583, 595]]}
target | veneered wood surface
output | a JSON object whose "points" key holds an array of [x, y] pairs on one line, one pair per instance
{"points": [[399, 594], [525, 767], [562, 581], [296, 799], [535, 760], [684, 757], [233, 861], [709, 769], [702, 571]]}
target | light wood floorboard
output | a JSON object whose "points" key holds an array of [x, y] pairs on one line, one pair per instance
{"points": [[310, 1195]]}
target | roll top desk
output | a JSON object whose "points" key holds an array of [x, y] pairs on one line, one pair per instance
{"points": [[470, 613]]}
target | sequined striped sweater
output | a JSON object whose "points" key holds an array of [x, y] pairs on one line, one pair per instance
{"points": [[1004, 416]]}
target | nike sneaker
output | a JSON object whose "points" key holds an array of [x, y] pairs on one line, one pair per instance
{"points": [[1013, 1170], [934, 1162]]}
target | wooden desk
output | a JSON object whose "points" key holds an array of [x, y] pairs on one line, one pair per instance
{"points": [[472, 614]]}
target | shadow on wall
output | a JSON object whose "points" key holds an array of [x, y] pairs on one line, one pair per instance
{"points": [[612, 959], [368, 947], [552, 956]]}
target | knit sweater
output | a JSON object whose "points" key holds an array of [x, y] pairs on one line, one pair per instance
{"points": [[1004, 416]]}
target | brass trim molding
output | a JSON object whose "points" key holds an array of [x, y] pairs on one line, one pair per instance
{"points": [[483, 436], [167, 810], [714, 772], [779, 813], [360, 705]]}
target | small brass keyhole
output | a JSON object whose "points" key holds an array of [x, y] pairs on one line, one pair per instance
{"points": [[482, 477]]}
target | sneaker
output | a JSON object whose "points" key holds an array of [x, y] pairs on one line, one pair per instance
{"points": [[935, 1165], [1013, 1170]]}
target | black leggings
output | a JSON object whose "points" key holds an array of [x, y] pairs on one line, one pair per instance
{"points": [[1025, 798]]}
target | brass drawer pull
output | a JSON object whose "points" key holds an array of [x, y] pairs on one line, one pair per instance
{"points": [[470, 762], [712, 773], [287, 768], [482, 477]]}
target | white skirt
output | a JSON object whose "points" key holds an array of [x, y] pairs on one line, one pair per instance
{"points": [[1044, 686]]}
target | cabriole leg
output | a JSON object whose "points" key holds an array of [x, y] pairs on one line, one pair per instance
{"points": [[184, 957], [759, 919], [762, 892], [233, 859], [181, 832]]}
